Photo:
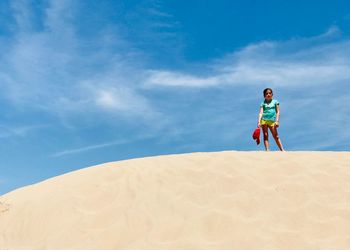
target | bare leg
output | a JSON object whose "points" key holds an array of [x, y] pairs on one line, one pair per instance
{"points": [[266, 137], [274, 132]]}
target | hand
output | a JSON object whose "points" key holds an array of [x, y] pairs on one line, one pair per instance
{"points": [[259, 125], [277, 124]]}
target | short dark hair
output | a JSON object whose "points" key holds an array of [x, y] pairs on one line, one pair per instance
{"points": [[265, 90]]}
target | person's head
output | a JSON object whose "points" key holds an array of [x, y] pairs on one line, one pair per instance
{"points": [[268, 94]]}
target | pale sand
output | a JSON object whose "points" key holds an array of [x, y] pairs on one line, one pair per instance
{"points": [[222, 201]]}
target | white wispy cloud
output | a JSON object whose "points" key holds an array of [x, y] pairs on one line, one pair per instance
{"points": [[120, 99], [19, 131], [316, 60], [169, 78], [88, 148], [22, 15], [102, 145], [54, 70]]}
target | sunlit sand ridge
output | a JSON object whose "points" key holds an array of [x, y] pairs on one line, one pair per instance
{"points": [[222, 201]]}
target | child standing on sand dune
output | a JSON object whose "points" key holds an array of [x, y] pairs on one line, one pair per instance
{"points": [[269, 116]]}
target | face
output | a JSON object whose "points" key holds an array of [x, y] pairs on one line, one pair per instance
{"points": [[268, 95]]}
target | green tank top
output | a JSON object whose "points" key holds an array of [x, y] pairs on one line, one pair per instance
{"points": [[269, 109]]}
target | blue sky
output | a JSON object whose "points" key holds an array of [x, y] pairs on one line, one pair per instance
{"points": [[83, 83]]}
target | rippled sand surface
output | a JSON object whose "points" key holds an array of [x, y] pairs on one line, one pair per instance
{"points": [[199, 201]]}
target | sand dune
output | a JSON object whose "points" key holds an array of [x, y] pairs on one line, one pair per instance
{"points": [[222, 201]]}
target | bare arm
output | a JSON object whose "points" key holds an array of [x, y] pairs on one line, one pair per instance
{"points": [[260, 115], [277, 114]]}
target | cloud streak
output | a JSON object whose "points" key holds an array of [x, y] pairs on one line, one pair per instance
{"points": [[19, 131], [101, 145], [91, 147], [313, 61], [55, 70]]}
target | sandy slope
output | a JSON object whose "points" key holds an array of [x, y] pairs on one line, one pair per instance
{"points": [[222, 201]]}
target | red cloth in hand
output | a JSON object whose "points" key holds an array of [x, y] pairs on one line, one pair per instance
{"points": [[256, 135]]}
